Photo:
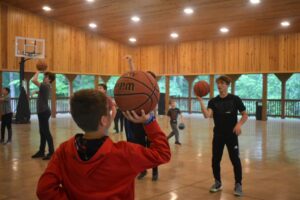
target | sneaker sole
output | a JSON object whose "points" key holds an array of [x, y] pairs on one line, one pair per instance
{"points": [[216, 190], [238, 194]]}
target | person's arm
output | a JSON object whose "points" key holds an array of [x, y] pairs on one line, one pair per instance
{"points": [[35, 79], [130, 62], [241, 107], [50, 183], [141, 158], [207, 113]]}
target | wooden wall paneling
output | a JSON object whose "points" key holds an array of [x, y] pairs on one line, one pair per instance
{"points": [[3, 36], [92, 59], [77, 52], [171, 59], [152, 58], [185, 58], [61, 48]]}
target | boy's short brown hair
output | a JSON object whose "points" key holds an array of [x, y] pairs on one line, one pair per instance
{"points": [[87, 108], [50, 75], [224, 78], [103, 85]]}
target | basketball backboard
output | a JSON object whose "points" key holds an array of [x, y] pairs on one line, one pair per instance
{"points": [[30, 47]]}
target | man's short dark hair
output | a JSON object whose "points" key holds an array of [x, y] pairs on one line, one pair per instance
{"points": [[50, 75], [103, 85], [87, 108], [7, 89], [224, 78]]}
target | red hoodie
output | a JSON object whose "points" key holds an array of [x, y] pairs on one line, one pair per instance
{"points": [[108, 175]]}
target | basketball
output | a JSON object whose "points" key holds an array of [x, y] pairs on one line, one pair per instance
{"points": [[201, 88], [41, 65], [136, 91], [181, 126]]}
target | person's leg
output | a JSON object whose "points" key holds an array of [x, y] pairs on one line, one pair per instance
{"points": [[217, 151], [3, 125], [48, 136], [116, 123], [41, 152], [172, 133], [234, 154], [121, 122], [176, 133], [9, 129]]}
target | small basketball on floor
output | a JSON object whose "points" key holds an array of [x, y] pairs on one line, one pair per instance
{"points": [[201, 88], [136, 91], [41, 65], [181, 126]]}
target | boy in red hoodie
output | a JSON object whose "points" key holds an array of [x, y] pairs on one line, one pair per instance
{"points": [[91, 165]]}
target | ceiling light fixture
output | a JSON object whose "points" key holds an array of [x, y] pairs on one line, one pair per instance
{"points": [[135, 18], [47, 8], [174, 35], [93, 25], [188, 11], [285, 23], [254, 1], [224, 30], [132, 40]]}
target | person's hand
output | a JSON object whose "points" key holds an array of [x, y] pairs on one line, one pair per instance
{"points": [[237, 129], [199, 98], [128, 57], [132, 116]]}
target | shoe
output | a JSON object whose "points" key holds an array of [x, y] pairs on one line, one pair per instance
{"points": [[216, 187], [8, 142], [178, 143], [154, 177], [142, 175], [48, 156], [238, 190], [38, 155]]}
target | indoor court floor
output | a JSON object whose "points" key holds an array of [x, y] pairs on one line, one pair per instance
{"points": [[269, 152]]}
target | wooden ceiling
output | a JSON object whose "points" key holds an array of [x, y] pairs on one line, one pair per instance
{"points": [[160, 17]]}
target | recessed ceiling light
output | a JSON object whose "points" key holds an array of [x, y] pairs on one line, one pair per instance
{"points": [[135, 18], [255, 1], [93, 25], [132, 40], [47, 8], [188, 11], [90, 1], [174, 35], [285, 23], [224, 30]]}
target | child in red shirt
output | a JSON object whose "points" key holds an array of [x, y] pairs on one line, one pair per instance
{"points": [[91, 165]]}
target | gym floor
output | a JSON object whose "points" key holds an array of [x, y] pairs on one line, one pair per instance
{"points": [[269, 152]]}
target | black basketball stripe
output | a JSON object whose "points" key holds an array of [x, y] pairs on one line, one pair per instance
{"points": [[152, 85]]}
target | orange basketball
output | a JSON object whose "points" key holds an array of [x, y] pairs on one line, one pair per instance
{"points": [[201, 88], [41, 65], [136, 91]]}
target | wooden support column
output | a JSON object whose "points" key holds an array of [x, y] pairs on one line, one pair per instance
{"points": [[0, 89], [53, 100], [167, 96], [1, 80], [265, 97], [234, 78], [71, 78], [28, 76], [190, 80], [211, 84], [105, 79], [283, 78], [96, 81]]}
